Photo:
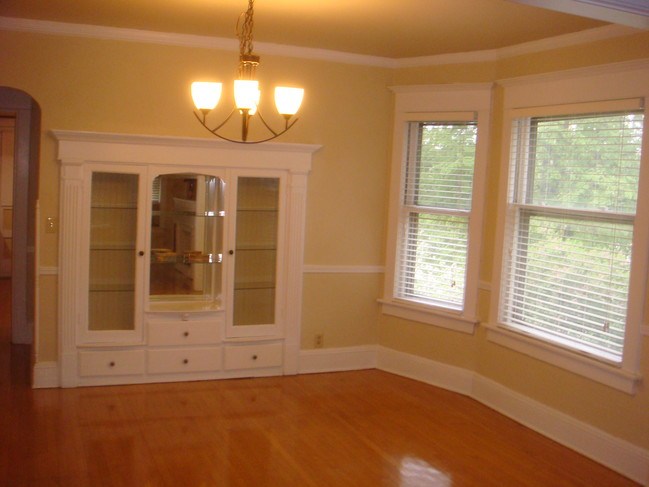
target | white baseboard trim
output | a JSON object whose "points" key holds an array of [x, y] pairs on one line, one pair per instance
{"points": [[337, 359], [616, 454], [46, 375], [619, 455], [446, 376]]}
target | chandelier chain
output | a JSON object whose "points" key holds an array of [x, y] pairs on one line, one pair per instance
{"points": [[244, 30]]}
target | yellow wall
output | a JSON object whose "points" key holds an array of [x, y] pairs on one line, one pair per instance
{"points": [[622, 415]]}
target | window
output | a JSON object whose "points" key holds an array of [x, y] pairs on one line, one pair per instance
{"points": [[437, 192], [437, 197], [572, 198]]}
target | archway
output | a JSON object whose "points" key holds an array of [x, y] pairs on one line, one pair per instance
{"points": [[26, 116]]}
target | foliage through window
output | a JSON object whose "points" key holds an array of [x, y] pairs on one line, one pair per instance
{"points": [[437, 198], [572, 202]]}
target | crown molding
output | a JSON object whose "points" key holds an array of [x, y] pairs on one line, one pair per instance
{"points": [[491, 55], [186, 40], [634, 13], [635, 65], [226, 44]]}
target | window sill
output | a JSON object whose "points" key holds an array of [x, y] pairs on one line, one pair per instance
{"points": [[428, 315], [610, 375]]}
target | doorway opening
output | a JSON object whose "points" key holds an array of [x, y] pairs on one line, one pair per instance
{"points": [[19, 167]]}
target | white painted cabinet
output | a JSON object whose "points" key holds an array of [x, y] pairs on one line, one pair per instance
{"points": [[178, 257]]}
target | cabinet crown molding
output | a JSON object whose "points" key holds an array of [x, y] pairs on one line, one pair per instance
{"points": [[149, 149]]}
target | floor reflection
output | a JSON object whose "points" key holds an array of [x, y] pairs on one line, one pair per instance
{"points": [[418, 473]]}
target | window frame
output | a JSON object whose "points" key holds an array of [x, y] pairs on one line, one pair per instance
{"points": [[444, 103], [580, 91]]}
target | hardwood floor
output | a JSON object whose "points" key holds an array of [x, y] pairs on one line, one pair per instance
{"points": [[366, 428]]}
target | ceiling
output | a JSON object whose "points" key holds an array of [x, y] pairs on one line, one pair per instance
{"points": [[385, 28]]}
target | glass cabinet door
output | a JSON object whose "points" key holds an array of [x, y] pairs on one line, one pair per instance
{"points": [[255, 251], [113, 255], [186, 240]]}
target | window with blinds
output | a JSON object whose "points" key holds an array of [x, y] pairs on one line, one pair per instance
{"points": [[434, 219], [573, 189]]}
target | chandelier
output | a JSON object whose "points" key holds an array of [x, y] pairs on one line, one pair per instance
{"points": [[206, 95]]}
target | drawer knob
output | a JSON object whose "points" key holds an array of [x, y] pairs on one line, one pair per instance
{"points": [[186, 361], [186, 334], [254, 357], [111, 364]]}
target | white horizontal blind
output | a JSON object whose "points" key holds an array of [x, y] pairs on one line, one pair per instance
{"points": [[437, 194], [573, 191]]}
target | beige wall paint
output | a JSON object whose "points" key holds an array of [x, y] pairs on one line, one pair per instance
{"points": [[342, 308], [622, 415], [126, 87]]}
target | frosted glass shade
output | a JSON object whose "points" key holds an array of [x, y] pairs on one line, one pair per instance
{"points": [[206, 95], [288, 100], [254, 110], [246, 94]]}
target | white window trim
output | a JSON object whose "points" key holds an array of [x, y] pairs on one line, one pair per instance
{"points": [[429, 103], [579, 90]]}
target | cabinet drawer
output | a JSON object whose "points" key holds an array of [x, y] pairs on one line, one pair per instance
{"points": [[99, 363], [183, 333], [253, 356], [183, 360]]}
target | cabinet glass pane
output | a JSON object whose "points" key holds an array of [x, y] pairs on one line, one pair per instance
{"points": [[186, 238], [113, 229], [255, 251]]}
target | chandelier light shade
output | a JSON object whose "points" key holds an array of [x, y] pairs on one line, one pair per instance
{"points": [[206, 95]]}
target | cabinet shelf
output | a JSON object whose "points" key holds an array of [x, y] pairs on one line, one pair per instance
{"points": [[255, 247], [258, 209], [111, 247], [180, 261], [246, 286], [207, 214], [172, 258], [113, 207], [110, 289]]}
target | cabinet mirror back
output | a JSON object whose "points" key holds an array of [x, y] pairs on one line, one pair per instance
{"points": [[186, 238]]}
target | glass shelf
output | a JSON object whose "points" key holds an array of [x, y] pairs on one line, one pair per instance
{"points": [[256, 246], [112, 289], [113, 207], [167, 259], [242, 286], [115, 247], [207, 214], [257, 209]]}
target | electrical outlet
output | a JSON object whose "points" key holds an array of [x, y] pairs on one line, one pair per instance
{"points": [[51, 225], [319, 340]]}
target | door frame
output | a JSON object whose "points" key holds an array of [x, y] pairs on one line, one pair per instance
{"points": [[27, 114]]}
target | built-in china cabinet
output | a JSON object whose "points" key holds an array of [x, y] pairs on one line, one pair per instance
{"points": [[180, 259]]}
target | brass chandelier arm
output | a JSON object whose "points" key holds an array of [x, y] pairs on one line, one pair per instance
{"points": [[202, 120]]}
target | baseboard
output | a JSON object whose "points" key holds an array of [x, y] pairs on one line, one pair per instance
{"points": [[446, 376], [619, 455], [616, 454], [337, 359], [46, 375]]}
